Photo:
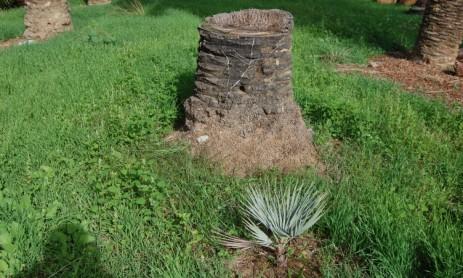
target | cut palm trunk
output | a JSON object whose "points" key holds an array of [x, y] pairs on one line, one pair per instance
{"points": [[441, 33], [45, 18], [243, 100]]}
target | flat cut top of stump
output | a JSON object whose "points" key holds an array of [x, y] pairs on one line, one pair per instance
{"points": [[251, 22]]}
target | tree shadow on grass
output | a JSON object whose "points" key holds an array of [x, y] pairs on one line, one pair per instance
{"points": [[423, 265], [70, 251], [185, 87]]}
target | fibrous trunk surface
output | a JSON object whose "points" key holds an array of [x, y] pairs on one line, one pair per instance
{"points": [[441, 33], [243, 101], [45, 18]]}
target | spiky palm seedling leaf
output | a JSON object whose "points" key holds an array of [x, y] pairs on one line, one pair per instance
{"points": [[285, 213]]}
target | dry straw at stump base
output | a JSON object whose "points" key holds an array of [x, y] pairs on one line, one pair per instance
{"points": [[242, 114], [45, 18]]}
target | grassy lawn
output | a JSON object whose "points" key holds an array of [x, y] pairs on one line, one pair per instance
{"points": [[88, 188]]}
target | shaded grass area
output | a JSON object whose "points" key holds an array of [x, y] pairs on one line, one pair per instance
{"points": [[12, 25], [374, 25], [88, 188]]}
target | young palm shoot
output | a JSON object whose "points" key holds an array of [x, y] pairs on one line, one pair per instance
{"points": [[276, 216]]}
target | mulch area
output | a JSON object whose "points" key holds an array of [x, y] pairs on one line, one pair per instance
{"points": [[304, 260], [412, 76]]}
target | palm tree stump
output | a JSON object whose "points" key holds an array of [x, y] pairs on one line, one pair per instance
{"points": [[45, 18], [441, 33], [98, 2], [242, 113]]}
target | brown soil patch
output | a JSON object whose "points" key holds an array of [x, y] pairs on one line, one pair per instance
{"points": [[413, 77], [305, 260]]}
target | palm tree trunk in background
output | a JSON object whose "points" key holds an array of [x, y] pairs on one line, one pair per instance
{"points": [[441, 33]]}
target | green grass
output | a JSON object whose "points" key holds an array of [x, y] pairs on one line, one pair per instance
{"points": [[88, 188]]}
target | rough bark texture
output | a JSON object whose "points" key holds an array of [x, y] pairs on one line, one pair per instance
{"points": [[441, 33], [98, 2], [243, 101], [45, 18]]}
